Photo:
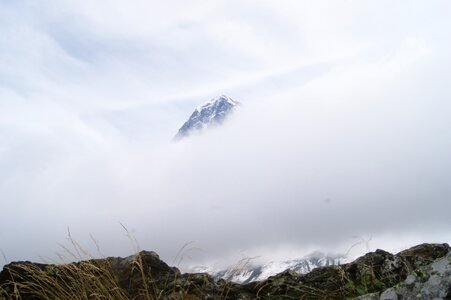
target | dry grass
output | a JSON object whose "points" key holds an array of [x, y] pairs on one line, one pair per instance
{"points": [[84, 280], [89, 278], [79, 276]]}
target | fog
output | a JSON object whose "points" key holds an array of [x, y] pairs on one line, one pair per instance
{"points": [[343, 135]]}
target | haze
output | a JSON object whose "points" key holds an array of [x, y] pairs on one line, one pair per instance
{"points": [[344, 131]]}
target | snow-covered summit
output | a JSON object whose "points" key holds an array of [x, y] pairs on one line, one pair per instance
{"points": [[217, 101], [210, 113]]}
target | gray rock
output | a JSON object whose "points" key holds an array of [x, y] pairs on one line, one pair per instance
{"points": [[372, 296], [410, 279], [389, 294], [431, 281]]}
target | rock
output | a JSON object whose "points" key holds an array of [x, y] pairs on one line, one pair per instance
{"points": [[423, 254], [366, 277], [429, 282], [421, 272], [143, 273], [372, 296], [432, 281], [389, 294]]}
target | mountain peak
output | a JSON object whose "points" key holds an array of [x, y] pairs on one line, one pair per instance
{"points": [[211, 113], [216, 101]]}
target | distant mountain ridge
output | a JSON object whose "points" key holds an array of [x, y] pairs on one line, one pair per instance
{"points": [[212, 113], [248, 271]]}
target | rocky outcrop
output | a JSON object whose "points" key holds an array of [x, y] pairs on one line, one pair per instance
{"points": [[432, 281], [374, 273], [421, 272], [143, 275]]}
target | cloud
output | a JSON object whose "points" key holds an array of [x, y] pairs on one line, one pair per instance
{"points": [[343, 129]]}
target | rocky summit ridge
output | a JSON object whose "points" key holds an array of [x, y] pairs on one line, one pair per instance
{"points": [[421, 272], [212, 113]]}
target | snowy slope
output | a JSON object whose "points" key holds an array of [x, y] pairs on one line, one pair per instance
{"points": [[211, 113], [248, 271]]}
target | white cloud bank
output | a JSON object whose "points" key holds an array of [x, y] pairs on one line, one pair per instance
{"points": [[344, 129]]}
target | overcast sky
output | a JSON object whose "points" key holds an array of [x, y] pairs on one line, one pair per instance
{"points": [[344, 133]]}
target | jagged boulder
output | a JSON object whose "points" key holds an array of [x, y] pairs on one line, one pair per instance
{"points": [[432, 281]]}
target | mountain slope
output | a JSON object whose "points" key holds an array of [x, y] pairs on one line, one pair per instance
{"points": [[209, 114], [248, 271]]}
